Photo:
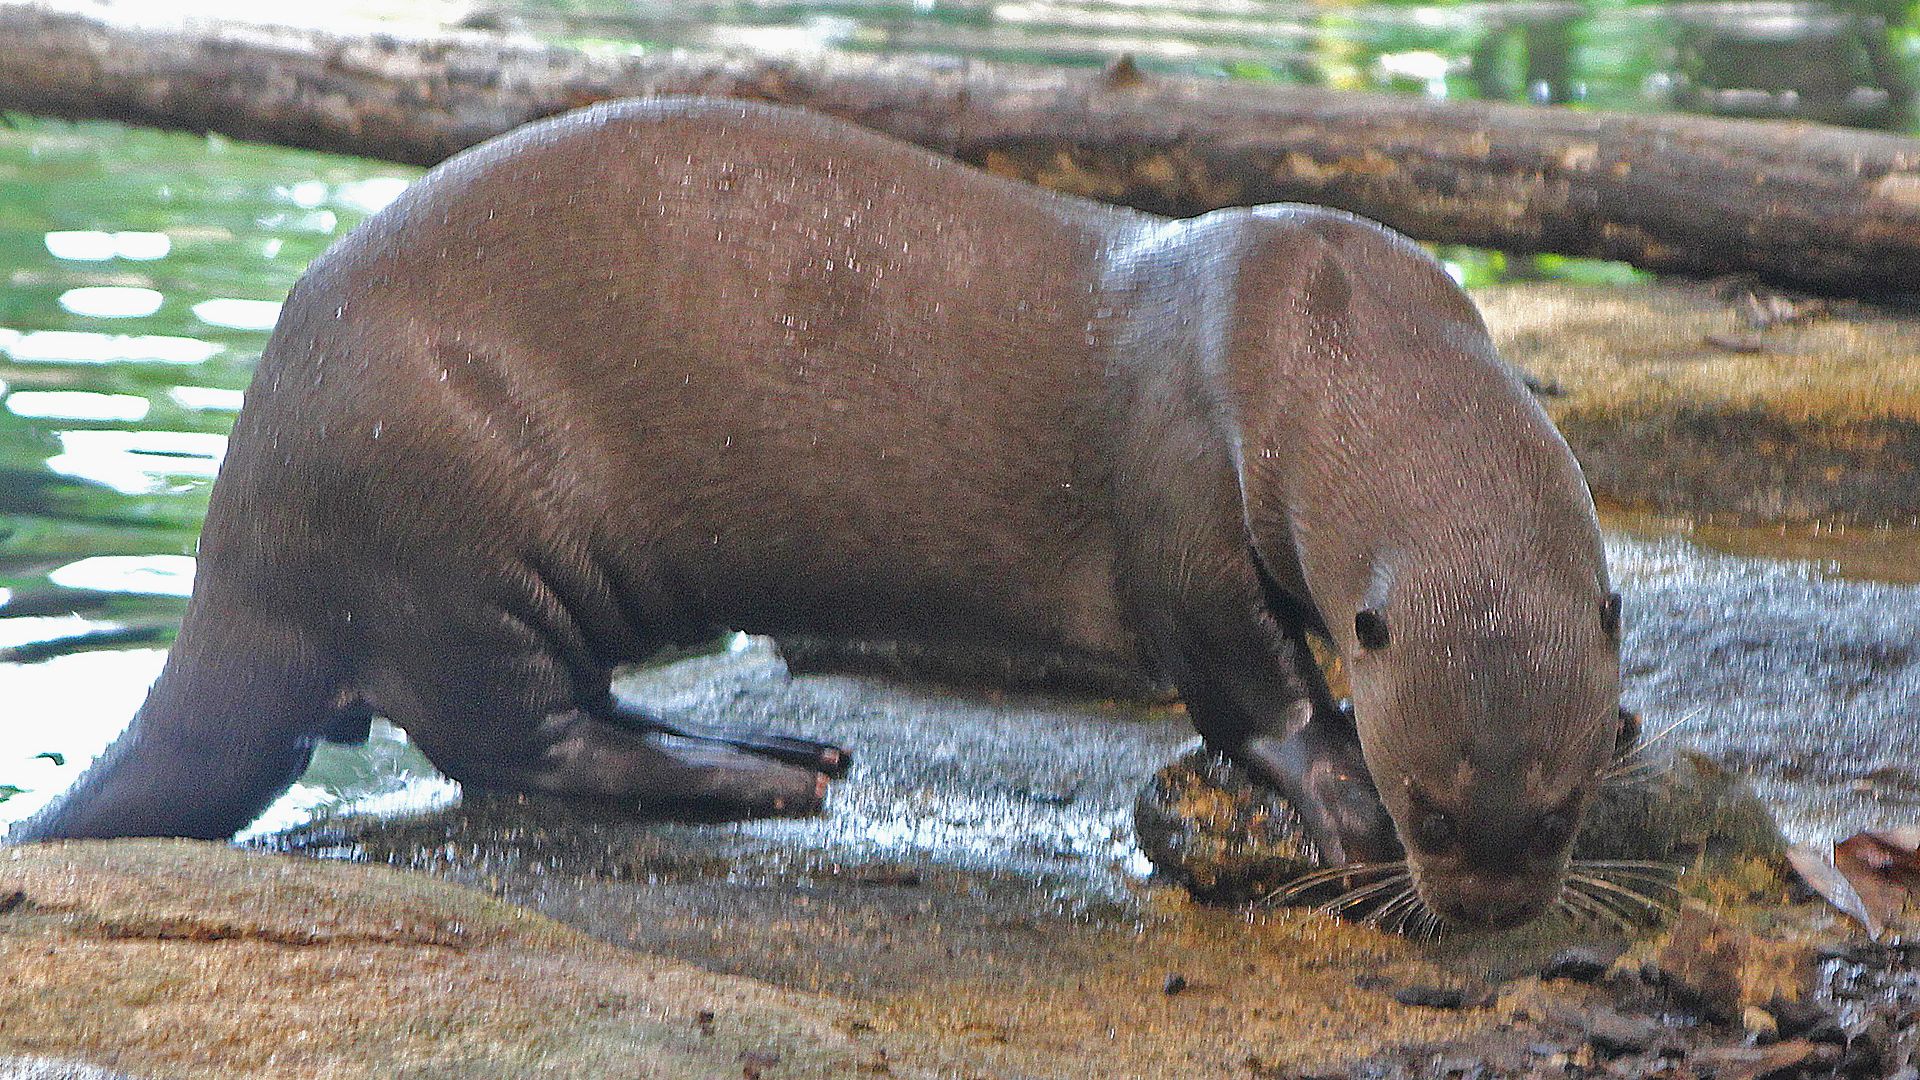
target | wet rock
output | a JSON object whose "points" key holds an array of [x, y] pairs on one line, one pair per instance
{"points": [[1760, 1025], [886, 875], [1577, 964], [1678, 809], [1438, 997], [36, 1068], [1799, 1019], [1614, 1034], [755, 1063], [1866, 1052], [1777, 1062], [1730, 968], [1208, 826]]}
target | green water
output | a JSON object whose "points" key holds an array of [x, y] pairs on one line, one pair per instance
{"points": [[139, 271]]}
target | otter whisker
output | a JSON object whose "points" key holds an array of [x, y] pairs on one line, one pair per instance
{"points": [[1636, 909], [1613, 888], [1402, 901], [1638, 879], [1433, 926], [1635, 773], [1592, 910], [1633, 864], [1633, 758], [1413, 917], [1362, 894], [1307, 882], [1560, 906], [1577, 910], [1378, 918], [1579, 890]]}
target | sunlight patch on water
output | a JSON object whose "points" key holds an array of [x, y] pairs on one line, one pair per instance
{"points": [[84, 347], [32, 629], [76, 405], [307, 194], [386, 777], [87, 245], [371, 195], [150, 575], [238, 314], [207, 398], [74, 705], [111, 301], [138, 462]]}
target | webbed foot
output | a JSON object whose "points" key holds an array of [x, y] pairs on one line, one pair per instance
{"points": [[666, 773], [1315, 763]]}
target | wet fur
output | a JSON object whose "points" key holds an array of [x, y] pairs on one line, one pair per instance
{"points": [[626, 377]]}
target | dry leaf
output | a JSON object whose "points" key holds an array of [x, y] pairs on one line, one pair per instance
{"points": [[1870, 876]]}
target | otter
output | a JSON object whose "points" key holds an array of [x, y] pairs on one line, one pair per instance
{"points": [[626, 377]]}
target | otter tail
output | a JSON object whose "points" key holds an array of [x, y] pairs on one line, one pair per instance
{"points": [[228, 727]]}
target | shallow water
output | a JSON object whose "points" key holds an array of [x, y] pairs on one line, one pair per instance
{"points": [[142, 270]]}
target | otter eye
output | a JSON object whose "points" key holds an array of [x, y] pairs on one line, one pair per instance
{"points": [[1371, 628], [1433, 833]]}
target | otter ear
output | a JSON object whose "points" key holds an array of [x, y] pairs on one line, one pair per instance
{"points": [[1629, 733], [1371, 628], [1610, 615]]}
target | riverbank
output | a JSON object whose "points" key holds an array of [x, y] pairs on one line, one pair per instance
{"points": [[970, 905], [1719, 400]]}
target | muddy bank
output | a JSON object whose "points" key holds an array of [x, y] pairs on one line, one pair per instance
{"points": [[1704, 400]]}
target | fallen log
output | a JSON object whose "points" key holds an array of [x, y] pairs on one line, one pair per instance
{"points": [[1804, 205]]}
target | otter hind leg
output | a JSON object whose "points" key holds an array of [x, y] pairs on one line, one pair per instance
{"points": [[535, 735]]}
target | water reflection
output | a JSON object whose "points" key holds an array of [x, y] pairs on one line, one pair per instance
{"points": [[1783, 59], [138, 462], [238, 314], [156, 575], [88, 245], [76, 405], [93, 347], [206, 398], [112, 301]]}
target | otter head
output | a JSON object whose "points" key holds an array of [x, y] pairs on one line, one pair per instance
{"points": [[1487, 718]]}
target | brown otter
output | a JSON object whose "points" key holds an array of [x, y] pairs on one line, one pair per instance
{"points": [[650, 369]]}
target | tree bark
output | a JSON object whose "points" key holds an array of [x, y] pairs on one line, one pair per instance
{"points": [[1805, 205]]}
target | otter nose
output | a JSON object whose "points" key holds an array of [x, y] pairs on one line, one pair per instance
{"points": [[1485, 903]]}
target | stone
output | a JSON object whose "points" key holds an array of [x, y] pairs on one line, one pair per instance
{"points": [[1578, 963], [1614, 1034], [1730, 968]]}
